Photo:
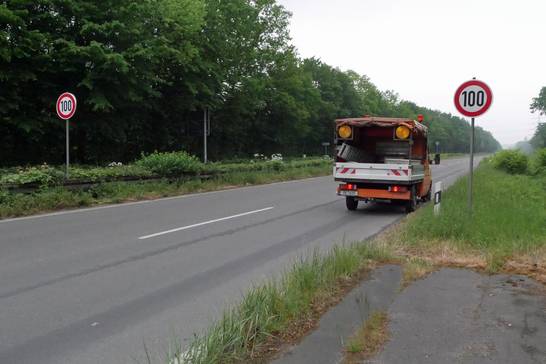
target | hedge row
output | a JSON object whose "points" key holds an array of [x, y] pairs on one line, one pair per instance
{"points": [[156, 165]]}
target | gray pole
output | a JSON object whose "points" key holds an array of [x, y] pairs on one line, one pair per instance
{"points": [[67, 175], [205, 135], [471, 175]]}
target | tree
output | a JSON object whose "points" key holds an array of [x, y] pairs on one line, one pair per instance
{"points": [[143, 72], [539, 138], [117, 56], [539, 103]]}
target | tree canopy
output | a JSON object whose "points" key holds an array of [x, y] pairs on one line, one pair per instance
{"points": [[144, 71], [539, 102]]}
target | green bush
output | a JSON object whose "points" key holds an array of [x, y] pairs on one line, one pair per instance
{"points": [[511, 161], [4, 197], [43, 176], [540, 158], [170, 164], [100, 174]]}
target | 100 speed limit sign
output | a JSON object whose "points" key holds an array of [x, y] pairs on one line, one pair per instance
{"points": [[66, 106], [473, 98]]}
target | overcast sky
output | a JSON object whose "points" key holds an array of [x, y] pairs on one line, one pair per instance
{"points": [[424, 49]]}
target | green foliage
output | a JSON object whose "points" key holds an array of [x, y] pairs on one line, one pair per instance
{"points": [[511, 161], [46, 199], [537, 163], [539, 102], [268, 309], [99, 174], [42, 176], [174, 164], [539, 138], [143, 72], [508, 218], [540, 157]]}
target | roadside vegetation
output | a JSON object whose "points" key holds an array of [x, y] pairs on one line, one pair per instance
{"points": [[144, 72], [506, 230], [154, 176], [369, 339], [505, 233], [283, 310]]}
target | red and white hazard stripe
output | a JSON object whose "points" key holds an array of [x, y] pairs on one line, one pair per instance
{"points": [[399, 173], [345, 170]]}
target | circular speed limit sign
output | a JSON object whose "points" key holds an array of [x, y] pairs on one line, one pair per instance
{"points": [[473, 98], [66, 106]]}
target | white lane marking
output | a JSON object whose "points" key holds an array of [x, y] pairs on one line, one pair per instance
{"points": [[126, 204], [205, 223]]}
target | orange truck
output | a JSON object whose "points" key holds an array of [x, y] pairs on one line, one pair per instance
{"points": [[382, 159]]}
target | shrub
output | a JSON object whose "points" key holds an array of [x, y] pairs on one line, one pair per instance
{"points": [[540, 158], [43, 176], [511, 161], [4, 197], [276, 165], [99, 174], [170, 164]]}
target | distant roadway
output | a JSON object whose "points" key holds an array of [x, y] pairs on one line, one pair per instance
{"points": [[100, 285]]}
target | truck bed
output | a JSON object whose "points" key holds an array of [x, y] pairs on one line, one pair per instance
{"points": [[399, 171]]}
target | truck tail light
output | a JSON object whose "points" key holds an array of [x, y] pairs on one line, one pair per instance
{"points": [[398, 189], [348, 187]]}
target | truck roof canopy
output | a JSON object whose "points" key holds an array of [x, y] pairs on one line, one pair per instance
{"points": [[383, 122]]}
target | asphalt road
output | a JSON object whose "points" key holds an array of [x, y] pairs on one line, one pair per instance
{"points": [[100, 285]]}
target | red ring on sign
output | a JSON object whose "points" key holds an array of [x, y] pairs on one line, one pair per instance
{"points": [[485, 107], [74, 102]]}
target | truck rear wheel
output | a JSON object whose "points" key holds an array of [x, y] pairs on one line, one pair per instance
{"points": [[352, 203], [411, 205]]}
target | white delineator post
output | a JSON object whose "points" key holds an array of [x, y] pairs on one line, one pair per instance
{"points": [[437, 198]]}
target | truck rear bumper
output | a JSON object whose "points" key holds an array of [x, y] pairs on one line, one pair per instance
{"points": [[376, 194]]}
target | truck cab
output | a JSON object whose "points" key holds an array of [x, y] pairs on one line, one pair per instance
{"points": [[382, 159]]}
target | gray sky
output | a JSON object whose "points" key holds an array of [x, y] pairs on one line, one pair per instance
{"points": [[424, 49]]}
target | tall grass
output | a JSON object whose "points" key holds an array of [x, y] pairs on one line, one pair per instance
{"points": [[267, 310], [509, 215]]}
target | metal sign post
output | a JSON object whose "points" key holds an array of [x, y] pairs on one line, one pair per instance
{"points": [[205, 112], [67, 172], [471, 173], [473, 98], [66, 108], [326, 145], [206, 133]]}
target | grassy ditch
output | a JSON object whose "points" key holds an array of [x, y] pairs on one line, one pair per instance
{"points": [[50, 198]]}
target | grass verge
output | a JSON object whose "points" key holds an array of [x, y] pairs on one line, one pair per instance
{"points": [[282, 311], [57, 198], [369, 339], [506, 231]]}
